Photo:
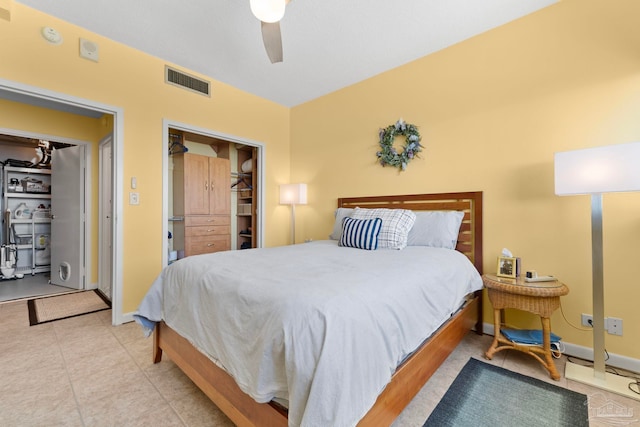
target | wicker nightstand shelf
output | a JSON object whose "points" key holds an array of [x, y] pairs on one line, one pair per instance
{"points": [[541, 298]]}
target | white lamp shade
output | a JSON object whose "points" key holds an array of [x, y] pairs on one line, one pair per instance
{"points": [[608, 169], [293, 194], [268, 10]]}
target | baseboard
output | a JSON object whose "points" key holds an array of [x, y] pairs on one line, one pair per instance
{"points": [[615, 360], [127, 317], [586, 353]]}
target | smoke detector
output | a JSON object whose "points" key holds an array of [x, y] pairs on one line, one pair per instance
{"points": [[51, 35]]}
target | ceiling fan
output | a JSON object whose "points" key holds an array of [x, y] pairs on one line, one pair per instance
{"points": [[270, 12]]}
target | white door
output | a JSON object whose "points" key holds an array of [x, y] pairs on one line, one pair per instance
{"points": [[67, 217], [106, 222]]}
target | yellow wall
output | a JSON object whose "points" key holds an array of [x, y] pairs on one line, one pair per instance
{"points": [[492, 111], [17, 116], [134, 82]]}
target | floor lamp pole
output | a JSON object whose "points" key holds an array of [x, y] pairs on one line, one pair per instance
{"points": [[293, 223], [598, 286], [597, 376]]}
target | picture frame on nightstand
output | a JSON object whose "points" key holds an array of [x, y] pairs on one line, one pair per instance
{"points": [[506, 267]]}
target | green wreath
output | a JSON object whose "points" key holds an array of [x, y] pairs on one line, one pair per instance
{"points": [[388, 155]]}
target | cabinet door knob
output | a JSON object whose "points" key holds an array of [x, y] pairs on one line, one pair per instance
{"points": [[210, 244], [206, 185]]}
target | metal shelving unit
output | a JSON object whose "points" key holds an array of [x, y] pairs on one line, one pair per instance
{"points": [[27, 216]]}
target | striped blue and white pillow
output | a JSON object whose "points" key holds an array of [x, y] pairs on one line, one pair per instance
{"points": [[360, 233]]}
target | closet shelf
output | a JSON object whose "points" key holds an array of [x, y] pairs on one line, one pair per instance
{"points": [[28, 195], [245, 187], [31, 221]]}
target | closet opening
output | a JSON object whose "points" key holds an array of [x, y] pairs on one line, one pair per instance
{"points": [[214, 193]]}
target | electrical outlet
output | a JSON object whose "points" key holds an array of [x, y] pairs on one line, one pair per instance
{"points": [[614, 326]]}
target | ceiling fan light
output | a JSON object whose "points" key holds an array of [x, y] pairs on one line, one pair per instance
{"points": [[268, 10]]}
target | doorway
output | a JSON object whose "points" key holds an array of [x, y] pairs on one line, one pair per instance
{"points": [[105, 224], [43, 203], [202, 140], [31, 95]]}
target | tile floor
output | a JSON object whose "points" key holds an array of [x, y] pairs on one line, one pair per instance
{"points": [[28, 287], [85, 372]]}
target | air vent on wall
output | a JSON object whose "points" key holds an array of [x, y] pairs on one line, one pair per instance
{"points": [[178, 78]]}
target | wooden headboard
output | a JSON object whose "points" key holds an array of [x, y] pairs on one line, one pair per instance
{"points": [[470, 236]]}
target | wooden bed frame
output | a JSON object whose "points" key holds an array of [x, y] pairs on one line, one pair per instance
{"points": [[408, 379]]}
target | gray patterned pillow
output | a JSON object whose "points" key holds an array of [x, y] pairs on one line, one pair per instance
{"points": [[396, 224], [438, 229]]}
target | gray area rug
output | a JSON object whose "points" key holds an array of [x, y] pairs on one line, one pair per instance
{"points": [[486, 395]]}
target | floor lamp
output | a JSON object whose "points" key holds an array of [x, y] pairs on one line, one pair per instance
{"points": [[595, 171], [293, 194]]}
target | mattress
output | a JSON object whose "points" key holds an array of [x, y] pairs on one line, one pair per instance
{"points": [[318, 325]]}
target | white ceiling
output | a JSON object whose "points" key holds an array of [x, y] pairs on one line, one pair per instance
{"points": [[328, 44]]}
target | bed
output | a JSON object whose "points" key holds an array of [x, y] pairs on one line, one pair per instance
{"points": [[411, 369]]}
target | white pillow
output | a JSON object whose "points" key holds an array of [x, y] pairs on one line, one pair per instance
{"points": [[438, 229], [396, 224], [337, 225], [360, 233]]}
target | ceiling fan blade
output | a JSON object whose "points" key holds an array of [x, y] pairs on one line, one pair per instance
{"points": [[272, 40]]}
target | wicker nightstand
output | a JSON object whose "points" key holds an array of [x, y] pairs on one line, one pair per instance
{"points": [[541, 298]]}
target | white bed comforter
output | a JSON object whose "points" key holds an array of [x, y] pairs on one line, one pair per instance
{"points": [[319, 325]]}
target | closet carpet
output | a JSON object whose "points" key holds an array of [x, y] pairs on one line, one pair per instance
{"points": [[84, 372]]}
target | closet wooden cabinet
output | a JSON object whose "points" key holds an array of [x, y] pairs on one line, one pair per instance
{"points": [[201, 194]]}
